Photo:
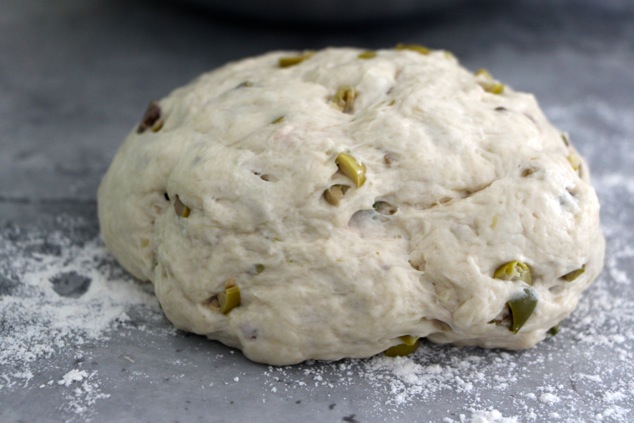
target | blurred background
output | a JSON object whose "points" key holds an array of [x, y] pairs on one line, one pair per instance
{"points": [[76, 75]]}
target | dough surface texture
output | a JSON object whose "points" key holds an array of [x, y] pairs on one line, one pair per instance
{"points": [[223, 184]]}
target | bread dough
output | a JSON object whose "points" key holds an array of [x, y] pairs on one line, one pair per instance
{"points": [[223, 184]]}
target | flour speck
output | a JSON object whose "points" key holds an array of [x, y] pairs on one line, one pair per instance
{"points": [[58, 294], [72, 376], [62, 297]]}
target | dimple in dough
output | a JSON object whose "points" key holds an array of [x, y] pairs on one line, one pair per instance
{"points": [[223, 184]]}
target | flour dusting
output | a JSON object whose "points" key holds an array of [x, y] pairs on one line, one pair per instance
{"points": [[63, 296], [596, 346], [42, 315]]}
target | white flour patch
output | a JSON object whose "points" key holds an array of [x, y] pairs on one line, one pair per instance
{"points": [[73, 376], [48, 310], [57, 296], [594, 354], [85, 390], [490, 416], [549, 398]]}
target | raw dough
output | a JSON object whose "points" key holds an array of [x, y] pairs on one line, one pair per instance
{"points": [[223, 184]]}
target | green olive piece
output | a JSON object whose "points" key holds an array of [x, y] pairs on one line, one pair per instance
{"points": [[181, 209], [369, 54], [413, 47], [521, 309], [575, 162], [229, 299], [565, 139], [490, 85], [259, 268], [350, 167], [288, 61], [409, 345], [485, 73], [278, 120], [496, 88], [514, 271], [571, 276], [408, 340], [335, 193], [344, 99]]}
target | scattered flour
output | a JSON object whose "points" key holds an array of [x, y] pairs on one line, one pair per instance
{"points": [[598, 350], [61, 294], [549, 398], [73, 376], [491, 416], [37, 323], [86, 390]]}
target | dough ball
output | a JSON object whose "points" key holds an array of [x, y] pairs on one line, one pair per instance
{"points": [[325, 204]]}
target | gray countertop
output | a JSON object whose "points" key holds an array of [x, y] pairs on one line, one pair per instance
{"points": [[80, 340]]}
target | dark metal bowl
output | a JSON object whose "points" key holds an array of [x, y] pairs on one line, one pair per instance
{"points": [[326, 11]]}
